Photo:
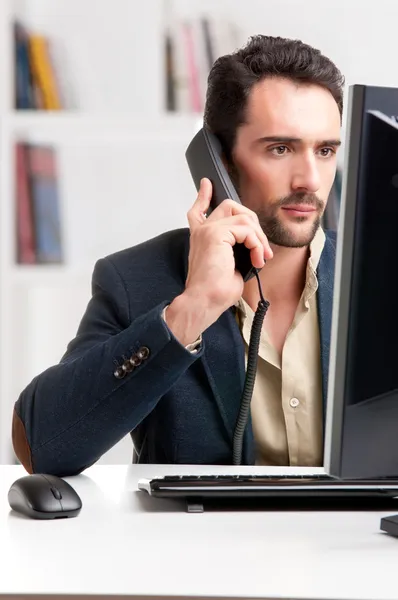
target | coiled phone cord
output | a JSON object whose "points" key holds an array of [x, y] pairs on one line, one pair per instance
{"points": [[251, 370]]}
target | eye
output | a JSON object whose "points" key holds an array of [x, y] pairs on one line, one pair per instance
{"points": [[326, 152], [279, 150]]}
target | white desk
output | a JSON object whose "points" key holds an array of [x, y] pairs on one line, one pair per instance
{"points": [[124, 542]]}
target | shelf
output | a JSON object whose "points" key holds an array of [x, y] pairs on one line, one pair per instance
{"points": [[121, 126], [49, 275]]}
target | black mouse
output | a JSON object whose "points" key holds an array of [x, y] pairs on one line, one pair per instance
{"points": [[41, 496]]}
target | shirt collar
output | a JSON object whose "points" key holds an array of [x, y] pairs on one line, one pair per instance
{"points": [[316, 248], [311, 286]]}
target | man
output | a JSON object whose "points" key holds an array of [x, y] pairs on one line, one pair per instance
{"points": [[160, 351]]}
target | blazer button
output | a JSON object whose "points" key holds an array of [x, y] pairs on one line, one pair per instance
{"points": [[127, 366], [143, 353], [135, 360], [119, 373]]}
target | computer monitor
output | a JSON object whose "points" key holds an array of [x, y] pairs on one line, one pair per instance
{"points": [[361, 433]]}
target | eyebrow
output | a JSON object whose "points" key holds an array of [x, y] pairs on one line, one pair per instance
{"points": [[291, 140]]}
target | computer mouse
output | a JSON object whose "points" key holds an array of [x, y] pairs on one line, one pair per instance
{"points": [[41, 496]]}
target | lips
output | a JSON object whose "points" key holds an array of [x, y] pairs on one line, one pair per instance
{"points": [[299, 209]]}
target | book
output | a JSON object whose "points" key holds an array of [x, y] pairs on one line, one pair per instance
{"points": [[25, 235], [36, 85]]}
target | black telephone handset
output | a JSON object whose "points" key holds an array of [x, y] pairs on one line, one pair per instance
{"points": [[204, 160]]}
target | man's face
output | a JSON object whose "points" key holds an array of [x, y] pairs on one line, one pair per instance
{"points": [[285, 158]]}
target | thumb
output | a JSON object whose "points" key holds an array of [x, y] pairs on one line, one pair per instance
{"points": [[202, 202], [204, 194]]}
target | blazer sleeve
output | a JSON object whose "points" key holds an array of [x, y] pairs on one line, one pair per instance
{"points": [[111, 377]]}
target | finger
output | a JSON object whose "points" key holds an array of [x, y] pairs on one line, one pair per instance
{"points": [[229, 208], [245, 219], [241, 234], [197, 213]]}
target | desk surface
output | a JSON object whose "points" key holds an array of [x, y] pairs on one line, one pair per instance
{"points": [[124, 542]]}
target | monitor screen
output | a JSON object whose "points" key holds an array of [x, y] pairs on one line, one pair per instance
{"points": [[361, 435]]}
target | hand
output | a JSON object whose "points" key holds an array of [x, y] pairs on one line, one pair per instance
{"points": [[213, 284]]}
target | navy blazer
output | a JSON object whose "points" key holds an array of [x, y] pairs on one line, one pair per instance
{"points": [[178, 407]]}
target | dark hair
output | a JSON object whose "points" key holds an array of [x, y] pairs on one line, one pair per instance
{"points": [[233, 76]]}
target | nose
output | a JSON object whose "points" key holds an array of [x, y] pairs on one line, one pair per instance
{"points": [[306, 176]]}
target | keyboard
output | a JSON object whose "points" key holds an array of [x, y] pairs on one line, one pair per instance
{"points": [[268, 487]]}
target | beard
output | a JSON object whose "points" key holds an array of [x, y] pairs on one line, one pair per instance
{"points": [[276, 231], [280, 233]]}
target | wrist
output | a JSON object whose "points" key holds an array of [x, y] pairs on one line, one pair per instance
{"points": [[187, 318]]}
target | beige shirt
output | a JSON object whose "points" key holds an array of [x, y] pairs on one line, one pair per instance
{"points": [[286, 405]]}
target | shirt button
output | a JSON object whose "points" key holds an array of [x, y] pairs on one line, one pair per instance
{"points": [[294, 402]]}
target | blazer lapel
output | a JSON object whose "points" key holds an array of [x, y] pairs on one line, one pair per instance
{"points": [[325, 306]]}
